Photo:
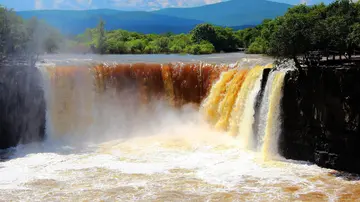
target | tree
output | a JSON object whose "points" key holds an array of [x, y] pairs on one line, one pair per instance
{"points": [[136, 46], [291, 37], [319, 37], [13, 38], [206, 48], [259, 46], [203, 32], [101, 45], [22, 41], [354, 36], [248, 36], [162, 44], [225, 40], [341, 16]]}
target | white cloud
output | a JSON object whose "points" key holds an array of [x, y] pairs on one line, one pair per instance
{"points": [[38, 4], [119, 4], [304, 2]]}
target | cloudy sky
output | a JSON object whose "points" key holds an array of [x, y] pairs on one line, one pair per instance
{"points": [[116, 4]]}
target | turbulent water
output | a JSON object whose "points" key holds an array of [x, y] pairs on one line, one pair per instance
{"points": [[172, 132]]}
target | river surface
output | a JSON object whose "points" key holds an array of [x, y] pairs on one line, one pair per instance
{"points": [[168, 155], [71, 59]]}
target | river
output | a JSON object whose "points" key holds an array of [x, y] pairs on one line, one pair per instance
{"points": [[68, 59], [162, 154]]}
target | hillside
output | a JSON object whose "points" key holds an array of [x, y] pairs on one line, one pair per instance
{"points": [[312, 2], [233, 13], [230, 13], [75, 22], [133, 5]]}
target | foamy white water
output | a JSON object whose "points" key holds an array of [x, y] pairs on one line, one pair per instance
{"points": [[184, 160], [127, 152]]}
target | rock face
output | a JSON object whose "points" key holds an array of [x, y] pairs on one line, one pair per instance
{"points": [[321, 117], [22, 105], [259, 98]]}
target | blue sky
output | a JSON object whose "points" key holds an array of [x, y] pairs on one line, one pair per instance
{"points": [[118, 4]]}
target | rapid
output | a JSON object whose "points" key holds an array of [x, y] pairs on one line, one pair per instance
{"points": [[164, 132]]}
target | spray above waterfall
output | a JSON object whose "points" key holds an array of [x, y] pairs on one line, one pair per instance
{"points": [[80, 99]]}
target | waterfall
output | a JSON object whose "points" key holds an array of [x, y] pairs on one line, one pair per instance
{"points": [[169, 89], [226, 105], [271, 128], [231, 106], [83, 99], [248, 117], [70, 100], [217, 92], [242, 115]]}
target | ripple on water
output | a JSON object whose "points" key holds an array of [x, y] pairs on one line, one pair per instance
{"points": [[169, 169]]}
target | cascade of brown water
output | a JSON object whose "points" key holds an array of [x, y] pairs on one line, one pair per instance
{"points": [[226, 105], [77, 94]]}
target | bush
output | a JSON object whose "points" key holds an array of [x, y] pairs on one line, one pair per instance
{"points": [[151, 49], [206, 48], [257, 47], [136, 46], [176, 49]]}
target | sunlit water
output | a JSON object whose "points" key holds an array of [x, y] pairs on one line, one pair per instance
{"points": [[182, 160], [71, 59], [167, 155]]}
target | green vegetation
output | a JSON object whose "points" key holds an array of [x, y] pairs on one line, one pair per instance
{"points": [[304, 33], [232, 13], [13, 35], [101, 48], [74, 22], [25, 39], [203, 39], [308, 32]]}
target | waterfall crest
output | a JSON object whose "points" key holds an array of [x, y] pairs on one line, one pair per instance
{"points": [[80, 98]]}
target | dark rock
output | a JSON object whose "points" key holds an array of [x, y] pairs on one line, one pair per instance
{"points": [[259, 98], [22, 105], [321, 117]]}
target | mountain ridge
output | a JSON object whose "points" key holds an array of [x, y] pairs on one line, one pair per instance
{"points": [[76, 22], [233, 13], [142, 5], [254, 12], [133, 5]]}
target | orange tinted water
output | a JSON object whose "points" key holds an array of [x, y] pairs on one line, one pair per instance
{"points": [[181, 83], [182, 159]]}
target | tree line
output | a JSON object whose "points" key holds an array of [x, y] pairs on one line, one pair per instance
{"points": [[203, 39], [304, 33], [308, 34]]}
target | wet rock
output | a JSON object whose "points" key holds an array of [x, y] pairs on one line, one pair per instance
{"points": [[22, 105], [259, 98], [320, 110]]}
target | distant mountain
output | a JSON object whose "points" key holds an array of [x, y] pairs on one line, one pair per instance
{"points": [[75, 22], [241, 27], [231, 13], [234, 13], [126, 5], [308, 2]]}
